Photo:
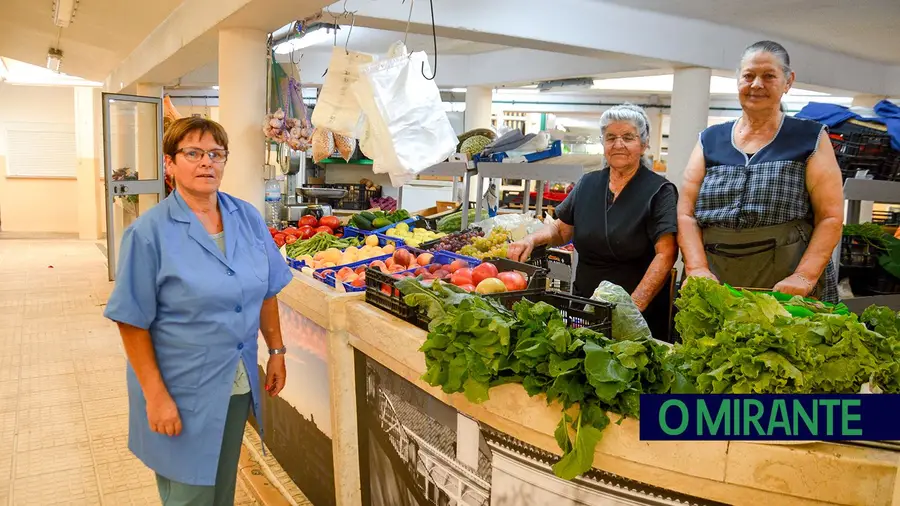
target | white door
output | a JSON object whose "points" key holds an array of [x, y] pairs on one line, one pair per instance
{"points": [[133, 163]]}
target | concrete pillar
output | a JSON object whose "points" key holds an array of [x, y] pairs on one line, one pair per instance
{"points": [[689, 117], [656, 133], [478, 107], [242, 106], [147, 143], [89, 150]]}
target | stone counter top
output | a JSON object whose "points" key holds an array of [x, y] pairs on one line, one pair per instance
{"points": [[730, 472], [739, 473]]}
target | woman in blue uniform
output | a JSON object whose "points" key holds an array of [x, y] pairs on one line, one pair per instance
{"points": [[762, 205], [622, 220], [197, 281]]}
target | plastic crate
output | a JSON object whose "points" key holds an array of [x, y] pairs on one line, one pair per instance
{"points": [[358, 196], [861, 149], [872, 281], [381, 292], [330, 280], [574, 309], [383, 240], [856, 252]]}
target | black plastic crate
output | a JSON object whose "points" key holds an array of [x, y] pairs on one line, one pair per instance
{"points": [[358, 196], [381, 293], [863, 149], [538, 257], [857, 252], [574, 309], [872, 281]]}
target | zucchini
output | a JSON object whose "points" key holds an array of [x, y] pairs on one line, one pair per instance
{"points": [[360, 222]]}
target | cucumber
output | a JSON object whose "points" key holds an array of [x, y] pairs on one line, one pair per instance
{"points": [[361, 222], [368, 216]]}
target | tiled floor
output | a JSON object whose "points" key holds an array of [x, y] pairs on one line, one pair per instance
{"points": [[63, 403]]}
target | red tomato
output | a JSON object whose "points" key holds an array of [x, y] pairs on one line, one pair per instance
{"points": [[273, 231], [482, 272], [306, 232], [290, 239], [279, 240], [326, 230], [290, 231], [462, 277], [280, 236], [308, 221], [468, 288], [332, 222], [513, 280]]}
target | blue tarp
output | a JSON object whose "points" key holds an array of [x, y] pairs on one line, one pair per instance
{"points": [[833, 115]]}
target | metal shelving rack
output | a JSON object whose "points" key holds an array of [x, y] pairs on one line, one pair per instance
{"points": [[529, 172], [454, 169], [868, 190]]}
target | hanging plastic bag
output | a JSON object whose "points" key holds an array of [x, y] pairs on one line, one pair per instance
{"points": [[336, 107], [374, 141], [627, 321], [406, 114]]}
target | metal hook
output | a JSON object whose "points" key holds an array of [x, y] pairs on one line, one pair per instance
{"points": [[434, 39], [412, 4], [352, 22]]}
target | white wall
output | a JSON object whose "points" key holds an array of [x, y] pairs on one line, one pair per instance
{"points": [[36, 204]]}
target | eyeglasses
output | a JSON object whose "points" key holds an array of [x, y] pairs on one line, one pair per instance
{"points": [[195, 155], [627, 138]]}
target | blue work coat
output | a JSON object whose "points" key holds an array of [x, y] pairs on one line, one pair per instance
{"points": [[202, 310]]}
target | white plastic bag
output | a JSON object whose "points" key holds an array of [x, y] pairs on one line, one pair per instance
{"points": [[406, 114], [336, 107], [518, 224]]}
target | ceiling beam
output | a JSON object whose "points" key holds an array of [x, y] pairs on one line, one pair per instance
{"points": [[188, 38], [600, 29]]}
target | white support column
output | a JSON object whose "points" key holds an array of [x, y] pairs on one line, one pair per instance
{"points": [[479, 103], [478, 107], [89, 149], [242, 106], [656, 133], [689, 117]]}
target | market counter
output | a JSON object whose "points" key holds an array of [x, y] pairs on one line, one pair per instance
{"points": [[729, 472]]}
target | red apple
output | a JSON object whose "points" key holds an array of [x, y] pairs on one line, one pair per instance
{"points": [[513, 280]]}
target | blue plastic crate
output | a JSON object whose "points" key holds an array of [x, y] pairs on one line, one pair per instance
{"points": [[331, 281], [446, 258], [409, 221], [383, 240]]}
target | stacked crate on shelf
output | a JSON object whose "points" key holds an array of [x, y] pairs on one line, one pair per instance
{"points": [[866, 152]]}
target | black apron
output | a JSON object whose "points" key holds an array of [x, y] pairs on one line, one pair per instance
{"points": [[617, 248]]}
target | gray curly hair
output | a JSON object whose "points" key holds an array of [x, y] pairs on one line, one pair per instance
{"points": [[633, 114]]}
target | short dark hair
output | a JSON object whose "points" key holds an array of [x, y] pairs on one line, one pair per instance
{"points": [[773, 48], [181, 128]]}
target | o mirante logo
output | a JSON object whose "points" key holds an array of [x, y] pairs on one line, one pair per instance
{"points": [[769, 417]]}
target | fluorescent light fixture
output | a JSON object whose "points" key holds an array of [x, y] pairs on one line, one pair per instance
{"points": [[457, 90], [664, 83], [64, 12], [310, 38], [216, 88]]}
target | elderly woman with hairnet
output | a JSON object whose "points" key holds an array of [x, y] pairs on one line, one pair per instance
{"points": [[622, 219]]}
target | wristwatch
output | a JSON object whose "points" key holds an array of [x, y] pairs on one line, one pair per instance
{"points": [[278, 351]]}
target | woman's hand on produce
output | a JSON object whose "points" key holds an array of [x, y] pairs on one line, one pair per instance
{"points": [[162, 415], [795, 284], [275, 375], [703, 272], [520, 251]]}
